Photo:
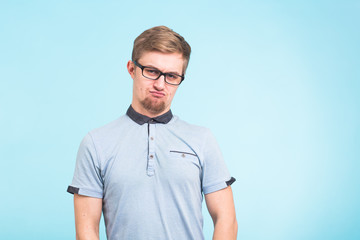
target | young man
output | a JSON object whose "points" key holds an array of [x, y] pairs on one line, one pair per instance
{"points": [[147, 171]]}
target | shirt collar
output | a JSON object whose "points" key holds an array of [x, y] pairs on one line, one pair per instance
{"points": [[141, 119]]}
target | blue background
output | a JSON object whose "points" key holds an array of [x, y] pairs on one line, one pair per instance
{"points": [[276, 81]]}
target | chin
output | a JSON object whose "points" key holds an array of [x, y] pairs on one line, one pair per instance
{"points": [[154, 107]]}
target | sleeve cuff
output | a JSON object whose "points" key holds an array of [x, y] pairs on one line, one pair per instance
{"points": [[84, 191], [231, 181], [218, 186]]}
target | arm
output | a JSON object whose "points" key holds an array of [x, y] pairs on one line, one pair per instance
{"points": [[221, 207], [87, 217]]}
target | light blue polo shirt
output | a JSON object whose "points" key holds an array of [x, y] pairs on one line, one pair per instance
{"points": [[151, 174]]}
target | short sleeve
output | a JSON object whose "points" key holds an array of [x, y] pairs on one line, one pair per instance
{"points": [[87, 178], [215, 174]]}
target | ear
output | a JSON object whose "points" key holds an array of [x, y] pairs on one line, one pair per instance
{"points": [[131, 68]]}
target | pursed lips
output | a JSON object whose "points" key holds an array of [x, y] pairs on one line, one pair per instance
{"points": [[157, 94]]}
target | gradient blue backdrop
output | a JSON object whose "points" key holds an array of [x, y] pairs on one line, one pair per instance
{"points": [[276, 81]]}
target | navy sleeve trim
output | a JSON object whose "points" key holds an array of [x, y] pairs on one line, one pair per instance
{"points": [[73, 190], [231, 181]]}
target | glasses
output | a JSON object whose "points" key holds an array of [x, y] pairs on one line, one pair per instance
{"points": [[155, 74]]}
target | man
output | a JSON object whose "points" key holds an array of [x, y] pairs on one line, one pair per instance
{"points": [[147, 170]]}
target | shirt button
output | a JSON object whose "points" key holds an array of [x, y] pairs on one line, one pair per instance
{"points": [[151, 156], [151, 138], [183, 155]]}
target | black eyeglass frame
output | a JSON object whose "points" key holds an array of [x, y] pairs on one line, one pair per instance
{"points": [[161, 74]]}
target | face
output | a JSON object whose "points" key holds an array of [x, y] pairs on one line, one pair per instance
{"points": [[153, 97]]}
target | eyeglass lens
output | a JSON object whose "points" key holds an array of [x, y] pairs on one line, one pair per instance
{"points": [[154, 74]]}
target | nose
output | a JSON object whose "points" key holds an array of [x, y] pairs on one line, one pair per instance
{"points": [[160, 83]]}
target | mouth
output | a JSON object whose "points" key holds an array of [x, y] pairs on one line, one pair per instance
{"points": [[157, 94]]}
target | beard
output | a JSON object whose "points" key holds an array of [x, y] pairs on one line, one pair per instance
{"points": [[153, 107]]}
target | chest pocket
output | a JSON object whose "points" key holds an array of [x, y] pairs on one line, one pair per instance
{"points": [[184, 158]]}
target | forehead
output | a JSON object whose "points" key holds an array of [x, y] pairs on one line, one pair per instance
{"points": [[163, 61]]}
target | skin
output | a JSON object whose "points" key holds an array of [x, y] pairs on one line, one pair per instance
{"points": [[220, 205], [158, 95], [87, 217], [154, 92]]}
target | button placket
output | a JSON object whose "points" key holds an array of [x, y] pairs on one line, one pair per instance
{"points": [[152, 155]]}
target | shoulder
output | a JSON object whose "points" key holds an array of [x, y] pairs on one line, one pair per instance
{"points": [[103, 139], [110, 128], [186, 127], [109, 132], [193, 134]]}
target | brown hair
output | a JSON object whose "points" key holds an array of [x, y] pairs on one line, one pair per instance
{"points": [[161, 39]]}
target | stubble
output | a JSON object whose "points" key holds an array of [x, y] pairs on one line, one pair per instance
{"points": [[152, 106]]}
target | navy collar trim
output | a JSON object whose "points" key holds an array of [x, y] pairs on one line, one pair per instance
{"points": [[141, 119]]}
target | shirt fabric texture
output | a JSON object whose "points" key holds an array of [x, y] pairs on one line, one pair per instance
{"points": [[151, 174]]}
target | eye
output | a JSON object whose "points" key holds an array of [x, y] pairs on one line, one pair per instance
{"points": [[151, 72], [171, 76]]}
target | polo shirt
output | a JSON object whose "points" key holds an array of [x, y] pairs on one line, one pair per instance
{"points": [[151, 174]]}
